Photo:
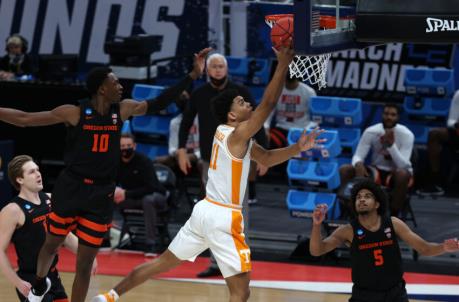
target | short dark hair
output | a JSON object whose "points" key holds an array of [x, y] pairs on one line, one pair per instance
{"points": [[128, 135], [95, 78], [221, 104], [380, 195], [15, 169], [393, 105]]}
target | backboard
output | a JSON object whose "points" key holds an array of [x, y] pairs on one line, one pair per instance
{"points": [[324, 26], [413, 21], [364, 22]]}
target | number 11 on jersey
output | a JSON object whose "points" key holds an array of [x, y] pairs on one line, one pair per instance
{"points": [[213, 160]]}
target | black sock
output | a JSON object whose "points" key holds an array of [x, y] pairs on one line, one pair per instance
{"points": [[252, 191], [39, 286]]}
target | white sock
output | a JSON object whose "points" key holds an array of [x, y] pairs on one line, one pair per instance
{"points": [[113, 293]]}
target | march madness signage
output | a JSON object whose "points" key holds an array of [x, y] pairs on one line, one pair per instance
{"points": [[82, 26], [377, 73]]}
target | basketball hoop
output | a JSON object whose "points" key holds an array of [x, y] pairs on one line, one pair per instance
{"points": [[308, 68]]}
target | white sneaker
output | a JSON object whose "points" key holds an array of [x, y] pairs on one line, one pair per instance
{"points": [[33, 298], [111, 296]]}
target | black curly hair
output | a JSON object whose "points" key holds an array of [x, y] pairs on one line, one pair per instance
{"points": [[221, 104], [379, 194], [95, 78]]}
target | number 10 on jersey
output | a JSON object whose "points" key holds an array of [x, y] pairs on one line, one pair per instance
{"points": [[100, 143]]}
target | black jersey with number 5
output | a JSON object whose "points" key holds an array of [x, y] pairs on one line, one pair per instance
{"points": [[375, 257], [93, 146]]}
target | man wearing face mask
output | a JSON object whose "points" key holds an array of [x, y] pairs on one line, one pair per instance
{"points": [[139, 188], [16, 62], [391, 145]]}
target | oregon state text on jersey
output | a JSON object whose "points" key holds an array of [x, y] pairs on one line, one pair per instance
{"points": [[227, 174]]}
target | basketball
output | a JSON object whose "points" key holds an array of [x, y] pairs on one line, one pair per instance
{"points": [[281, 32]]}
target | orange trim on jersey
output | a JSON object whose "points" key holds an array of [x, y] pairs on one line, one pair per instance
{"points": [[236, 173], [61, 220], [57, 231], [88, 238], [226, 205], [241, 246], [92, 225]]}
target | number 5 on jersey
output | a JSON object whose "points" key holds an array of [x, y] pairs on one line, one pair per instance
{"points": [[100, 143], [379, 259]]}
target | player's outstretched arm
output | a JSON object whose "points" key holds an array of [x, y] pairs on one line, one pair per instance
{"points": [[274, 157], [419, 244], [130, 107], [247, 129], [319, 246], [11, 217], [63, 114]]}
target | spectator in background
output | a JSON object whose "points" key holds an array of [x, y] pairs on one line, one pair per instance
{"points": [[292, 111], [438, 138], [16, 62], [200, 104], [139, 188], [192, 144], [391, 145]]}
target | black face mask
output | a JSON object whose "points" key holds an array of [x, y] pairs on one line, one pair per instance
{"points": [[127, 153], [218, 82]]}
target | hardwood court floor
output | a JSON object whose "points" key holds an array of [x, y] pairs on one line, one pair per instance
{"points": [[177, 291]]}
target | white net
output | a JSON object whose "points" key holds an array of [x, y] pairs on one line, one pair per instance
{"points": [[312, 69]]}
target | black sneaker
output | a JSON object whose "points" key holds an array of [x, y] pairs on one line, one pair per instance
{"points": [[209, 272], [151, 250], [433, 190]]}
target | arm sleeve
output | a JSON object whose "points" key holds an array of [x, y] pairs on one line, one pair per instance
{"points": [[401, 157], [453, 116], [187, 120], [362, 149], [168, 96]]}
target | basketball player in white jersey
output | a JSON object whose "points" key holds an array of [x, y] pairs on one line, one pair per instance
{"points": [[216, 221]]}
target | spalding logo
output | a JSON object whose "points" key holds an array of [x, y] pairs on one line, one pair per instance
{"points": [[436, 25]]}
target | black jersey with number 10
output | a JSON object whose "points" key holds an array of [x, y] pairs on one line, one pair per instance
{"points": [[93, 146]]}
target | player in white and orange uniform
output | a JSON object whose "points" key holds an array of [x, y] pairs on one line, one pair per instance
{"points": [[216, 221]]}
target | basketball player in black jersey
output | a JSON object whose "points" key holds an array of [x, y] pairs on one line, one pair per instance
{"points": [[23, 222], [376, 261], [83, 193]]}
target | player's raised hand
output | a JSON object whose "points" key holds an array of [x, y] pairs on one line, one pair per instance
{"points": [[199, 62], [451, 245], [319, 213], [285, 55], [309, 141]]}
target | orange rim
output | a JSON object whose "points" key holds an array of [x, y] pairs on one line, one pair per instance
{"points": [[273, 18]]}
